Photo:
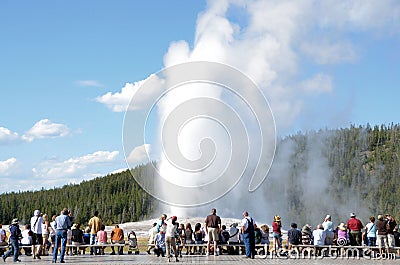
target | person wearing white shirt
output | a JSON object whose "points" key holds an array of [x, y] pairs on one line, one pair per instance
{"points": [[37, 239], [170, 237]]}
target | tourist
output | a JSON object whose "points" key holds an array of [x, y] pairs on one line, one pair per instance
{"points": [[160, 222], [45, 234], [328, 228], [188, 238], [212, 226], [233, 234], [3, 238], [248, 235], [342, 235], [117, 237], [391, 224], [152, 232], [37, 238], [306, 235], [15, 235], [294, 236], [94, 225], [76, 237], [355, 226], [319, 235], [170, 237], [198, 237], [102, 239], [382, 237], [370, 230], [62, 224], [159, 242], [26, 240], [277, 233]]}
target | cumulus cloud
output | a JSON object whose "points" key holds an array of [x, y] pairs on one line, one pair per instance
{"points": [[7, 166], [56, 169], [7, 136], [46, 129], [139, 154], [121, 101], [89, 83]]}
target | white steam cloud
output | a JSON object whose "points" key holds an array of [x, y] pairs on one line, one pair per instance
{"points": [[268, 41]]}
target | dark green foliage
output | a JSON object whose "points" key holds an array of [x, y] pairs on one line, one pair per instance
{"points": [[117, 197], [362, 170]]}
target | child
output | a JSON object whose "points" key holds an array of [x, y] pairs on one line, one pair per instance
{"points": [[102, 239]]}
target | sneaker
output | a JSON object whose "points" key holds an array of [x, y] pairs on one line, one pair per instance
{"points": [[62, 261], [4, 258], [53, 261], [215, 254], [38, 257], [207, 254], [176, 259], [18, 260]]}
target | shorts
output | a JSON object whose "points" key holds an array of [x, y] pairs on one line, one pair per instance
{"points": [[383, 241], [213, 234], [37, 239]]}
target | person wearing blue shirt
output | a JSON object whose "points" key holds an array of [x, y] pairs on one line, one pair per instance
{"points": [[62, 224], [15, 235]]}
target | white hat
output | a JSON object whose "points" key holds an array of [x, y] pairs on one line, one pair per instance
{"points": [[36, 213]]}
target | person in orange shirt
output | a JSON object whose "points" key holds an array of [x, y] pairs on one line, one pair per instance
{"points": [[117, 237]]}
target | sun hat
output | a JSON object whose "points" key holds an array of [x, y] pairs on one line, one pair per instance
{"points": [[342, 227], [327, 217]]}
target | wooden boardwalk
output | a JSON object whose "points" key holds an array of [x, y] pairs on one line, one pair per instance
{"points": [[198, 259]]}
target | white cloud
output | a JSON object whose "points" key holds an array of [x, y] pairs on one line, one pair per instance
{"points": [[7, 136], [56, 170], [7, 166], [321, 83], [89, 83], [46, 129], [139, 154], [121, 101]]}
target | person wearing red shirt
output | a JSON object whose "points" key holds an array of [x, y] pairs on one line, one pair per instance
{"points": [[355, 226]]}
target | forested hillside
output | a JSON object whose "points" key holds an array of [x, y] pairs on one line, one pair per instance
{"points": [[341, 171], [117, 197], [331, 171]]}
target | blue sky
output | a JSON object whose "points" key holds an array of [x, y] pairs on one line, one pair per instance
{"points": [[329, 67]]}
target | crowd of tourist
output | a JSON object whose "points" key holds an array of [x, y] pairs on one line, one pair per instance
{"points": [[42, 237], [382, 233], [169, 238]]}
